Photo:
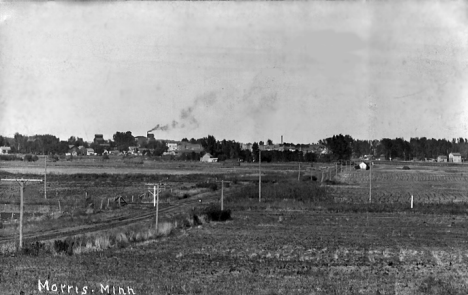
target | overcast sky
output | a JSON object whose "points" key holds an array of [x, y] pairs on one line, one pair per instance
{"points": [[246, 71]]}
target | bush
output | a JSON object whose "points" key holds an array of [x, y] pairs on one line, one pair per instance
{"points": [[406, 168], [216, 214], [105, 157], [210, 185], [9, 158], [32, 249], [34, 158], [64, 246]]}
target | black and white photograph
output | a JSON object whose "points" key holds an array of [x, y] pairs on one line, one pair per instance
{"points": [[234, 147]]}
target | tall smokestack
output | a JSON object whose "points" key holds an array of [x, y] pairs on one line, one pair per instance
{"points": [[281, 139]]}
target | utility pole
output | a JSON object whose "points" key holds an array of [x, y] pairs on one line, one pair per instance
{"points": [[155, 194], [22, 184], [370, 182], [157, 208], [222, 195], [45, 176], [259, 175], [299, 174]]}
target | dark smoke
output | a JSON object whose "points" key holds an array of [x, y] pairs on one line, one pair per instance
{"points": [[187, 117]]}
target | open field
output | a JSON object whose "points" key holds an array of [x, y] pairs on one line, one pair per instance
{"points": [[305, 237], [270, 252]]}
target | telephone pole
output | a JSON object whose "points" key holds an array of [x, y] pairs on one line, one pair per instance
{"points": [[155, 193], [22, 183], [45, 176], [259, 175], [370, 182]]}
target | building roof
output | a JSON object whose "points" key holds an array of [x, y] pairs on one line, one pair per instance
{"points": [[456, 154]]}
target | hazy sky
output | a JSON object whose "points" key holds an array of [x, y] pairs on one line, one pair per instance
{"points": [[246, 71]]}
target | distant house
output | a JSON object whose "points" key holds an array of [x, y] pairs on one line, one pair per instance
{"points": [[455, 158], [5, 150], [208, 158], [90, 152], [74, 151], [171, 146], [364, 166], [246, 146], [187, 147], [132, 150], [442, 158]]}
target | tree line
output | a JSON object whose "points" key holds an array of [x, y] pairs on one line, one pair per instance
{"points": [[338, 147], [344, 147]]}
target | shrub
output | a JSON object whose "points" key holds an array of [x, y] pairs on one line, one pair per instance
{"points": [[406, 168], [216, 214], [211, 185], [9, 158], [105, 157], [34, 158], [64, 246], [32, 249]]}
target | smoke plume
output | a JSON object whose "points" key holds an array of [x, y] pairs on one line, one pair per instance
{"points": [[187, 117]]}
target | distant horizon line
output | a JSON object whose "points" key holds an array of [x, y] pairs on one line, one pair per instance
{"points": [[251, 142]]}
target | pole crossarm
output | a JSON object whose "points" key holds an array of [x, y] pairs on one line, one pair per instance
{"points": [[22, 180]]}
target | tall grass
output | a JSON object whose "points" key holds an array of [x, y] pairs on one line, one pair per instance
{"points": [[299, 191]]}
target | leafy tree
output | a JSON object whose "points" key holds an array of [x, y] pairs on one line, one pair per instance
{"points": [[124, 140], [340, 146], [269, 142], [255, 150]]}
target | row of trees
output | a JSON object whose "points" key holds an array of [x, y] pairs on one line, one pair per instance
{"points": [[344, 147], [340, 147]]}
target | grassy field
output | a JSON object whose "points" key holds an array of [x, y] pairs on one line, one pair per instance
{"points": [[305, 237]]}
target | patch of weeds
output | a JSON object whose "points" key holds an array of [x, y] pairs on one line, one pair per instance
{"points": [[65, 246], [210, 185], [434, 286], [32, 249]]}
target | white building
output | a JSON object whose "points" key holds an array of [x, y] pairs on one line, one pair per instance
{"points": [[4, 150]]}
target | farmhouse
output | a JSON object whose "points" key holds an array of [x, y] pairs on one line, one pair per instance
{"points": [[455, 158], [442, 158], [208, 158], [4, 150], [90, 152]]}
